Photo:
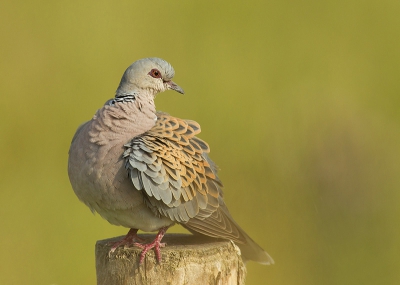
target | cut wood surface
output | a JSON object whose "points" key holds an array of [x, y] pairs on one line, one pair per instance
{"points": [[186, 259]]}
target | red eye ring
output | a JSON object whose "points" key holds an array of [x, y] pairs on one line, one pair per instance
{"points": [[155, 73]]}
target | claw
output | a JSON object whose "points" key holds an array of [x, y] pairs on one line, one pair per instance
{"points": [[127, 241], [132, 239], [156, 244]]}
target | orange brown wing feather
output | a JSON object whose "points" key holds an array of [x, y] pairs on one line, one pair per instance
{"points": [[168, 163]]}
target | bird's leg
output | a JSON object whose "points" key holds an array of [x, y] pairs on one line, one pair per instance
{"points": [[127, 241], [156, 244]]}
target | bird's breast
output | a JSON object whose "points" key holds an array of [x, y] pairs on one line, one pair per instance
{"points": [[97, 169]]}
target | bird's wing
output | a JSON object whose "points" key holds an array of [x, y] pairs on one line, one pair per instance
{"points": [[169, 164]]}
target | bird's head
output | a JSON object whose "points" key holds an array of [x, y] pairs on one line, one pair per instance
{"points": [[147, 76]]}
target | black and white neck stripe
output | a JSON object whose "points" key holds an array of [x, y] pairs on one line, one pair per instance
{"points": [[122, 99]]}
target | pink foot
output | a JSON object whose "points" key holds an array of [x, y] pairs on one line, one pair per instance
{"points": [[156, 244], [129, 240]]}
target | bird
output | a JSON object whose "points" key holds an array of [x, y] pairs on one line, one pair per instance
{"points": [[146, 170]]}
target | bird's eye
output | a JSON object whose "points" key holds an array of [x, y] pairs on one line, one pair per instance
{"points": [[155, 73]]}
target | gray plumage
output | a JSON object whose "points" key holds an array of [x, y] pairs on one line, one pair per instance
{"points": [[147, 170]]}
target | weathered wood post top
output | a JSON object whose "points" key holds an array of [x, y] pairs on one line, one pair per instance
{"points": [[186, 259]]}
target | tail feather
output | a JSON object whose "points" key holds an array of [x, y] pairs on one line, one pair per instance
{"points": [[252, 251], [221, 225]]}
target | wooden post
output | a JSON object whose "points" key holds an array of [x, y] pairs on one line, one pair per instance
{"points": [[186, 259]]}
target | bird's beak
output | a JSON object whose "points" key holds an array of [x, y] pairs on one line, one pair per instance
{"points": [[173, 86]]}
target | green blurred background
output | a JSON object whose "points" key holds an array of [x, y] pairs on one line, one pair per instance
{"points": [[299, 101]]}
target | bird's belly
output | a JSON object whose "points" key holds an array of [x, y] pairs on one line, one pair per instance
{"points": [[140, 217], [104, 186]]}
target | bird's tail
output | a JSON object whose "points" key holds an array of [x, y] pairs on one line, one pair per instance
{"points": [[250, 250], [221, 225]]}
